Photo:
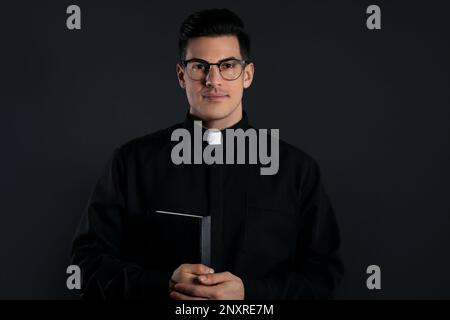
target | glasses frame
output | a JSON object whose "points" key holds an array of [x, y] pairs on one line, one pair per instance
{"points": [[208, 65]]}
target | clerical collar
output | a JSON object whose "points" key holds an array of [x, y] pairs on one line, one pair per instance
{"points": [[215, 136]]}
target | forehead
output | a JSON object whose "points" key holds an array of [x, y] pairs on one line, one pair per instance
{"points": [[213, 49]]}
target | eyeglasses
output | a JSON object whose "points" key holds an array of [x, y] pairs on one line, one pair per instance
{"points": [[229, 69]]}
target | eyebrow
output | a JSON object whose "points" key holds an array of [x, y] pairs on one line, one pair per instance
{"points": [[229, 58]]}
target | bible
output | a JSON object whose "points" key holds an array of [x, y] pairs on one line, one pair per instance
{"points": [[183, 238]]}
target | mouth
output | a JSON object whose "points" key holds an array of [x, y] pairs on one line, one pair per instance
{"points": [[215, 97]]}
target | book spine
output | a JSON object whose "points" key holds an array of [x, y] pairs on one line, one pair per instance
{"points": [[205, 241]]}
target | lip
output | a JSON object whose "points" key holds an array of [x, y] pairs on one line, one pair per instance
{"points": [[215, 97]]}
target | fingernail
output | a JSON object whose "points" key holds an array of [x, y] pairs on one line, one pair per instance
{"points": [[211, 270], [202, 278]]}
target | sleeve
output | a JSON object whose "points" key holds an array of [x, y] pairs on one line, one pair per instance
{"points": [[318, 268], [97, 247]]}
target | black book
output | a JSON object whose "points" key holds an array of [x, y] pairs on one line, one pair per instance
{"points": [[180, 238]]}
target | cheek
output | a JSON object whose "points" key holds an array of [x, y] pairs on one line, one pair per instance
{"points": [[236, 91], [193, 91]]}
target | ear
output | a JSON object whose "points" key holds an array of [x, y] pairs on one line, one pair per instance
{"points": [[180, 75], [249, 72]]}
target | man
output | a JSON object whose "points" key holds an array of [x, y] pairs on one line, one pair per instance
{"points": [[272, 236]]}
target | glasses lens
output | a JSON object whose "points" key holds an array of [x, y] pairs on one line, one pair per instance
{"points": [[231, 69], [196, 70]]}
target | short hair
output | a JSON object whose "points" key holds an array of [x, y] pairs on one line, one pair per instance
{"points": [[214, 23]]}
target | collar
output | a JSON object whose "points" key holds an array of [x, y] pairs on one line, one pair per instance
{"points": [[214, 136], [241, 124]]}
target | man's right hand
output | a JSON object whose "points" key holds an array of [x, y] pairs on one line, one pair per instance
{"points": [[188, 273]]}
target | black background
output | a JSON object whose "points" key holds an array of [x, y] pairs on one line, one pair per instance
{"points": [[371, 106]]}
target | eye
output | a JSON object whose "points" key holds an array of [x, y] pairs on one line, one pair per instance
{"points": [[227, 65], [198, 66]]}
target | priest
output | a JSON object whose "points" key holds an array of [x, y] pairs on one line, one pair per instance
{"points": [[271, 236]]}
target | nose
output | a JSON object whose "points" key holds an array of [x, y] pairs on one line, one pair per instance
{"points": [[213, 77]]}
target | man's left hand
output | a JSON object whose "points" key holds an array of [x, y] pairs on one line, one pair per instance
{"points": [[216, 286]]}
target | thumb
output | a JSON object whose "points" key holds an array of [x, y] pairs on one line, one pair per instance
{"points": [[215, 278]]}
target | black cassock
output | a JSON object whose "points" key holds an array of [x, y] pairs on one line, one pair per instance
{"points": [[278, 233]]}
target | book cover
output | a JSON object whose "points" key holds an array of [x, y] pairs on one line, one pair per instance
{"points": [[180, 238]]}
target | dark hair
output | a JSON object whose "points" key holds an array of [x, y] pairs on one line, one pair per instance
{"points": [[214, 22]]}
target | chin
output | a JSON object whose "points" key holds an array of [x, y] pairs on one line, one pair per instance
{"points": [[214, 112]]}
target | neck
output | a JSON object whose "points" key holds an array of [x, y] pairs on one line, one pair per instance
{"points": [[221, 124]]}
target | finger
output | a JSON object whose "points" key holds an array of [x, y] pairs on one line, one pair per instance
{"points": [[184, 277], [194, 290], [198, 269], [180, 296], [215, 278]]}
